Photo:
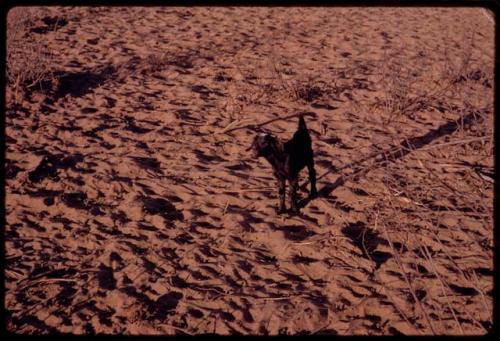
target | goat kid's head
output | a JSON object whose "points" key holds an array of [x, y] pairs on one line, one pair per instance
{"points": [[262, 145]]}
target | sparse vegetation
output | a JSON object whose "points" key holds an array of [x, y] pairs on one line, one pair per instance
{"points": [[133, 205], [30, 62]]}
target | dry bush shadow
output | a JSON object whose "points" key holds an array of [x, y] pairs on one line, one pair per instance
{"points": [[405, 147], [77, 84]]}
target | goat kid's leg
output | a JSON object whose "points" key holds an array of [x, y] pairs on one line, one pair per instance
{"points": [[282, 194], [294, 184], [312, 179]]}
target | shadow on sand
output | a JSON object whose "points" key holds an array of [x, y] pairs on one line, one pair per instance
{"points": [[392, 154]]}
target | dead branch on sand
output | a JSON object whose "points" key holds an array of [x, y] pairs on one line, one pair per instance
{"points": [[234, 125]]}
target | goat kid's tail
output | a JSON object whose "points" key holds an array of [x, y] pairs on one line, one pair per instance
{"points": [[302, 123]]}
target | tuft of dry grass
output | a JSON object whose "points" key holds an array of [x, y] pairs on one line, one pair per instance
{"points": [[29, 63]]}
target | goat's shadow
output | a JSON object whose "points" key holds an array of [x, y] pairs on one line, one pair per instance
{"points": [[404, 148]]}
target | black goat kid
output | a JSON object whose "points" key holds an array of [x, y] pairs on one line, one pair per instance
{"points": [[287, 160]]}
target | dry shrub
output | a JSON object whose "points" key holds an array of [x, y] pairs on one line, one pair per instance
{"points": [[438, 201], [309, 89], [470, 87], [401, 83], [410, 84], [302, 89], [248, 83], [427, 250], [256, 81], [398, 81], [458, 65], [157, 62], [29, 61]]}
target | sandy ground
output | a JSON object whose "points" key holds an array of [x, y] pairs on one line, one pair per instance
{"points": [[132, 206]]}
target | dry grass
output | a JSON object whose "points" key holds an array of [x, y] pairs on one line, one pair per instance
{"points": [[30, 63], [433, 197], [457, 91], [450, 178], [410, 83]]}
